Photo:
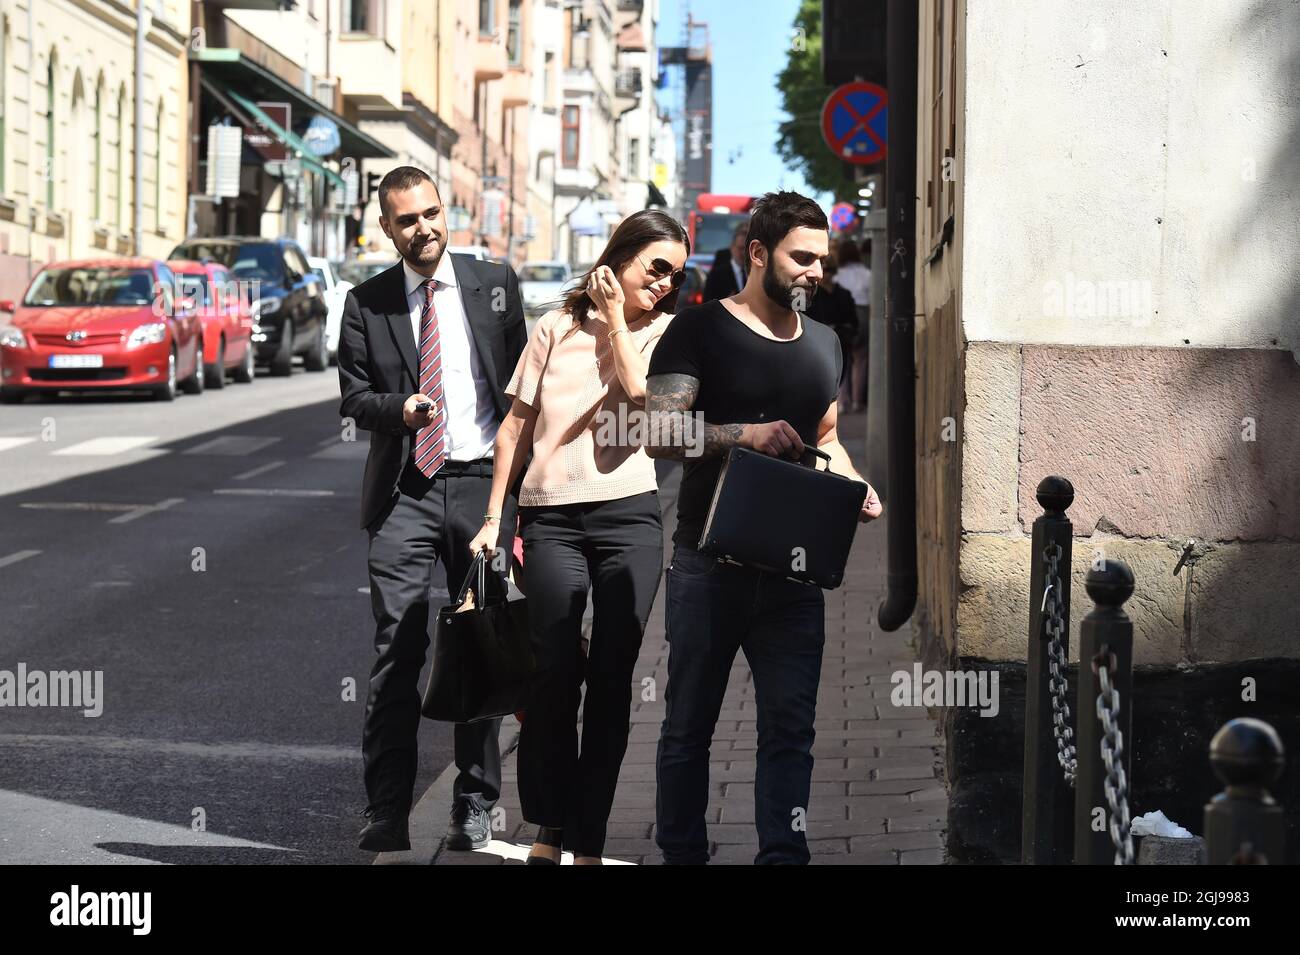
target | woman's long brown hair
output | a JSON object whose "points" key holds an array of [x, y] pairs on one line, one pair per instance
{"points": [[633, 234]]}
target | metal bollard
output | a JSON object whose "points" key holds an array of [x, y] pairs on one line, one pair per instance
{"points": [[1045, 835], [1244, 825], [1105, 642]]}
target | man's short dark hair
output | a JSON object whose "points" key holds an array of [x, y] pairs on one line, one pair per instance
{"points": [[775, 214], [399, 179]]}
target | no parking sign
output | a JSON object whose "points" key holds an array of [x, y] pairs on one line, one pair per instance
{"points": [[855, 122]]}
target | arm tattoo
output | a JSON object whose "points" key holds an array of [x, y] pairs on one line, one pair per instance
{"points": [[676, 433]]}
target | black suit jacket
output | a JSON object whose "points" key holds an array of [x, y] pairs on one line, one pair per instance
{"points": [[379, 364], [721, 280]]}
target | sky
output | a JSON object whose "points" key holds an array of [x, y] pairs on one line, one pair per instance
{"points": [[749, 40]]}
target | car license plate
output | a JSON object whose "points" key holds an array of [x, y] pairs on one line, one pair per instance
{"points": [[76, 361]]}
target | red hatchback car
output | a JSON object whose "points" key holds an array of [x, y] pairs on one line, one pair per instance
{"points": [[223, 306], [101, 324]]}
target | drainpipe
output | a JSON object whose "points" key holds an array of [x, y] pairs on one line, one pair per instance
{"points": [[900, 173], [142, 19]]}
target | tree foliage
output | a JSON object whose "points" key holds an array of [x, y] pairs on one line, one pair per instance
{"points": [[803, 93]]}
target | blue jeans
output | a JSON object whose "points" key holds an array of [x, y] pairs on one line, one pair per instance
{"points": [[715, 609]]}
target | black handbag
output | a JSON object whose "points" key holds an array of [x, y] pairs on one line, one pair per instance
{"points": [[482, 656], [784, 517]]}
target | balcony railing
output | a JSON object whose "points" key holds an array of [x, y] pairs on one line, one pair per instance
{"points": [[627, 83]]}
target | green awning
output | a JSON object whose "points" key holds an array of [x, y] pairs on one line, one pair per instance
{"points": [[233, 72], [294, 142]]}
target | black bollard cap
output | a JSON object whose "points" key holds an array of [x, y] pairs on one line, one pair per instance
{"points": [[1055, 494], [1247, 752], [1111, 585]]}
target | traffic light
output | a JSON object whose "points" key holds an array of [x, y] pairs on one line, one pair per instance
{"points": [[372, 185]]}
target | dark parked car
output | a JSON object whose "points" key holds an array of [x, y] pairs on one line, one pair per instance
{"points": [[288, 304]]}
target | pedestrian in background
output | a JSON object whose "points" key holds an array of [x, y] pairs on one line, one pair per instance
{"points": [[763, 378], [590, 521], [856, 277], [833, 306], [424, 353], [727, 276]]}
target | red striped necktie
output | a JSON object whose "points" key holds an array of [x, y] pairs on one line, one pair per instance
{"points": [[430, 444]]}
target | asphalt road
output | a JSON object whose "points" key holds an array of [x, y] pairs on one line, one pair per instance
{"points": [[226, 732]]}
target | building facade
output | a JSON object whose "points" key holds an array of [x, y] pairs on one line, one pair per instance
{"points": [[70, 173], [1107, 291]]}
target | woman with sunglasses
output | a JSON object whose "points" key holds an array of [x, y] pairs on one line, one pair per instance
{"points": [[590, 521]]}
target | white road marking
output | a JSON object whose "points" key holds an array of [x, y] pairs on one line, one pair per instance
{"points": [[270, 466], [6, 442], [343, 450], [76, 506], [17, 556], [147, 509], [47, 831], [272, 492], [106, 446], [236, 445], [146, 746]]}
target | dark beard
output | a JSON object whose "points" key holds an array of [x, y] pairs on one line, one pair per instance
{"points": [[784, 295], [413, 254]]}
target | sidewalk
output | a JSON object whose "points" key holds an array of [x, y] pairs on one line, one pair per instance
{"points": [[877, 797]]}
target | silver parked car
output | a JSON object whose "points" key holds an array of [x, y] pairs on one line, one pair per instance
{"points": [[336, 289], [543, 285]]}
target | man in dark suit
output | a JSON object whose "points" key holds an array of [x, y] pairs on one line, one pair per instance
{"points": [[727, 277], [425, 351]]}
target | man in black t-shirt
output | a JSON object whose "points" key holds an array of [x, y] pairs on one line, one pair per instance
{"points": [[763, 378]]}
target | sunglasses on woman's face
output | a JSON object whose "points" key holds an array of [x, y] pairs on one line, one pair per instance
{"points": [[660, 268]]}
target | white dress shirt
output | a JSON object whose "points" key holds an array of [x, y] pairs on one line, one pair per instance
{"points": [[739, 273], [466, 394], [855, 277]]}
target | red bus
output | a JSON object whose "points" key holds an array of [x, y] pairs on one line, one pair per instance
{"points": [[712, 221]]}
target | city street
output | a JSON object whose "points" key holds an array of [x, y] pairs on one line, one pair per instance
{"points": [[223, 688]]}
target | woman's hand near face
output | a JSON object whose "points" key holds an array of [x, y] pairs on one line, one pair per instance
{"points": [[607, 295]]}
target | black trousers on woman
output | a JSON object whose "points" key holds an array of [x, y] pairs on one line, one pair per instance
{"points": [[614, 549]]}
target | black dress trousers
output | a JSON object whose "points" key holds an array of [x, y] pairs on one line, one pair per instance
{"points": [[431, 520]]}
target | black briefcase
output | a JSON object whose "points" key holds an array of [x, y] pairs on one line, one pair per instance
{"points": [[784, 517], [482, 655]]}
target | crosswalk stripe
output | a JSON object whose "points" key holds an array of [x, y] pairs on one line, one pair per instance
{"points": [[16, 557], [100, 447], [7, 443], [269, 466], [235, 445], [272, 492]]}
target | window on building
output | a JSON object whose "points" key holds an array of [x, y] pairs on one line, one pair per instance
{"points": [[487, 17], [158, 176], [4, 71], [569, 137], [547, 82], [99, 151], [514, 31], [634, 158], [364, 16], [579, 35], [121, 158], [48, 170]]}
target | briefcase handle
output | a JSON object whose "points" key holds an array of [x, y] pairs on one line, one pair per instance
{"points": [[817, 453]]}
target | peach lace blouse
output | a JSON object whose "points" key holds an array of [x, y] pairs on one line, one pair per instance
{"points": [[581, 450]]}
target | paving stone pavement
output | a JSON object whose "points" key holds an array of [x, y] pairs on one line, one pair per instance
{"points": [[878, 796]]}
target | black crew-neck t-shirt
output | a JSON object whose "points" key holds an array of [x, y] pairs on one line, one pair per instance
{"points": [[745, 378]]}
